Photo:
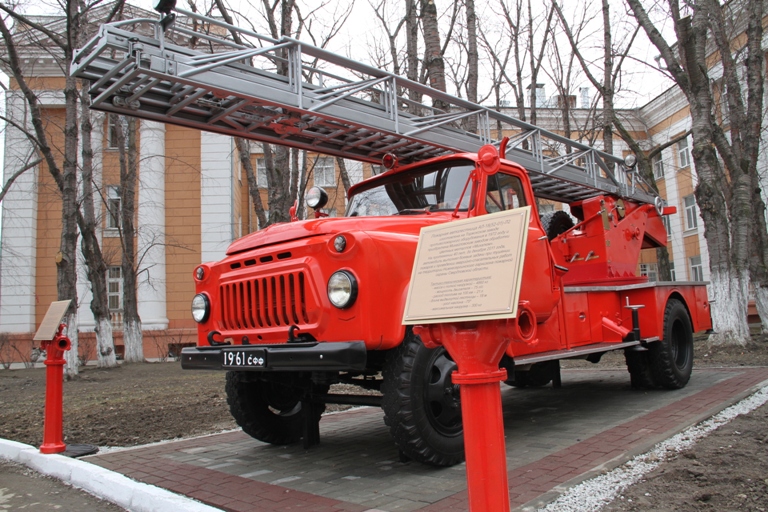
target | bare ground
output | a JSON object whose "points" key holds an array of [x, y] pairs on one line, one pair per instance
{"points": [[143, 403]]}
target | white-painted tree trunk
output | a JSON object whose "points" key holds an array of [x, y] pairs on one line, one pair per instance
{"points": [[105, 351], [72, 366], [133, 340], [729, 293], [761, 301]]}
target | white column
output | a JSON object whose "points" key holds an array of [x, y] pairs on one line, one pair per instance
{"points": [[18, 252], [216, 195], [151, 226]]}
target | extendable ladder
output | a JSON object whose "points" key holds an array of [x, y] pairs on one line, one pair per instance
{"points": [[289, 93]]}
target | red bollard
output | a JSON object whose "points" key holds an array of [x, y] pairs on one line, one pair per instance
{"points": [[477, 350], [53, 430]]}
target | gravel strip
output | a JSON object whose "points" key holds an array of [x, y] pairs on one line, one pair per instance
{"points": [[597, 492]]}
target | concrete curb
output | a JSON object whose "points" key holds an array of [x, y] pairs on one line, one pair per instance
{"points": [[109, 485]]}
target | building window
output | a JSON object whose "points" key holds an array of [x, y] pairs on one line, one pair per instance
{"points": [[697, 271], [115, 296], [672, 271], [691, 213], [650, 271], [113, 208], [658, 167], [261, 173], [112, 120], [325, 172], [683, 153], [667, 224]]}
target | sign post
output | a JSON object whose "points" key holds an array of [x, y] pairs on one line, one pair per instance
{"points": [[465, 274]]}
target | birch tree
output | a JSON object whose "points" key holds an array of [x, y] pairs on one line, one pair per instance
{"points": [[61, 47], [725, 193]]}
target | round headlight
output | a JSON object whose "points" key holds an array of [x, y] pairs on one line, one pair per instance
{"points": [[342, 289], [199, 273], [201, 308], [630, 161], [316, 198], [340, 243]]}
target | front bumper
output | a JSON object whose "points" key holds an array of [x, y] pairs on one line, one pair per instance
{"points": [[286, 357]]}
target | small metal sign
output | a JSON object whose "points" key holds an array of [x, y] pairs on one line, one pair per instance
{"points": [[53, 317], [469, 269]]}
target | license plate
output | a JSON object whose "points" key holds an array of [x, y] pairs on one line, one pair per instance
{"points": [[244, 359]]}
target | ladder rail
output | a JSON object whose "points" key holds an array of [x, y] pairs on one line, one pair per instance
{"points": [[361, 112]]}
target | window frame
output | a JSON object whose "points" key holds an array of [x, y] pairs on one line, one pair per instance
{"points": [[111, 133], [261, 173], [683, 153], [696, 268], [321, 179], [691, 213], [114, 206], [657, 163]]}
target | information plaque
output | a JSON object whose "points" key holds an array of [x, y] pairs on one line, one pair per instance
{"points": [[468, 269], [50, 324]]}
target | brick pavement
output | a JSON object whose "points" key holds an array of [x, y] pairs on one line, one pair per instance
{"points": [[554, 438]]}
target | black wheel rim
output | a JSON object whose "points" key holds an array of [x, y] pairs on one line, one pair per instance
{"points": [[441, 396]]}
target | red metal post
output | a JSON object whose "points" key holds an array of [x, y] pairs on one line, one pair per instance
{"points": [[53, 430], [477, 349]]}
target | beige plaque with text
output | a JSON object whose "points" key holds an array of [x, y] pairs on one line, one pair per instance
{"points": [[50, 324], [468, 269]]}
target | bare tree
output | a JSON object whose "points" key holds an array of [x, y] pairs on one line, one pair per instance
{"points": [[61, 48], [96, 267], [725, 193], [133, 337]]}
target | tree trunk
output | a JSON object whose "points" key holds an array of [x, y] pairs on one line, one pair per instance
{"points": [[94, 260], [244, 151], [433, 52], [472, 61], [343, 174], [66, 275], [133, 337]]}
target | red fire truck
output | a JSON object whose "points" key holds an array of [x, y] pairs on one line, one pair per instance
{"points": [[297, 307]]}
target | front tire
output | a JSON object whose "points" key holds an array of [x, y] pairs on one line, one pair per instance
{"points": [[268, 409], [671, 359], [421, 405]]}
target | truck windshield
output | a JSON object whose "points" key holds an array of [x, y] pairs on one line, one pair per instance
{"points": [[429, 188]]}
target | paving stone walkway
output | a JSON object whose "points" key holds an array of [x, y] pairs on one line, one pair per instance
{"points": [[554, 438]]}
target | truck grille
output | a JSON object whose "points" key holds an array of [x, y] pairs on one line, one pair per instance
{"points": [[264, 302]]}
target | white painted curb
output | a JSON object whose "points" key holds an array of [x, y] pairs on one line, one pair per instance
{"points": [[119, 489]]}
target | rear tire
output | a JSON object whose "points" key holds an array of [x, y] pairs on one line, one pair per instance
{"points": [[671, 359], [267, 409], [639, 367], [421, 405]]}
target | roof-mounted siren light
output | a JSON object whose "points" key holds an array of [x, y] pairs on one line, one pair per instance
{"points": [[389, 161]]}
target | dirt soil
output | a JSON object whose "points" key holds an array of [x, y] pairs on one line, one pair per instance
{"points": [[143, 403]]}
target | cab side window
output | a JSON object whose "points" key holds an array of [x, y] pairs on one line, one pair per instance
{"points": [[505, 192]]}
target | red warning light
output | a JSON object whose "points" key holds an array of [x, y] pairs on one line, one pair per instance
{"points": [[389, 161]]}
